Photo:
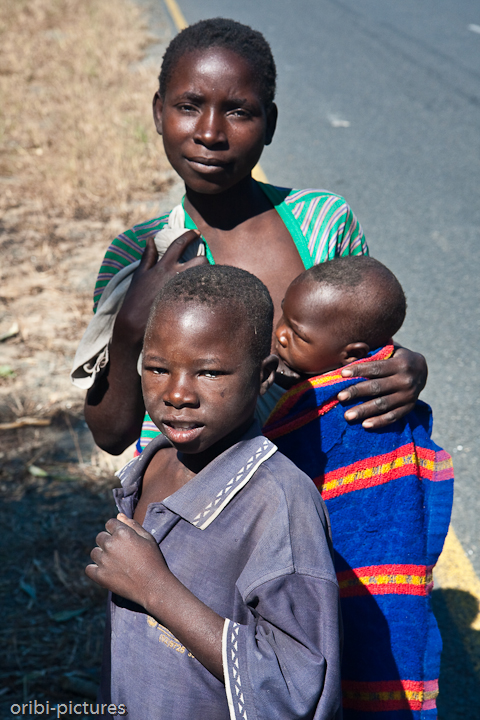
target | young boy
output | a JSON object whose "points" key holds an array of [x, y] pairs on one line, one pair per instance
{"points": [[389, 493], [224, 598], [215, 111]]}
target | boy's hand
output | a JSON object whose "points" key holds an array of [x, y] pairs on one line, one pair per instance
{"points": [[395, 384], [127, 559], [148, 279]]}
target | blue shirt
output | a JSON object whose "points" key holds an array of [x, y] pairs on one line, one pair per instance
{"points": [[249, 536]]}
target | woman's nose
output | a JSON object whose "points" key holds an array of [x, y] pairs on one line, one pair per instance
{"points": [[210, 128]]}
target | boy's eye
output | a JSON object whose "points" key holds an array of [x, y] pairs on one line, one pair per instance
{"points": [[211, 373]]}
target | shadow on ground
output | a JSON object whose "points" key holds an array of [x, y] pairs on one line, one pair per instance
{"points": [[459, 697], [52, 615]]}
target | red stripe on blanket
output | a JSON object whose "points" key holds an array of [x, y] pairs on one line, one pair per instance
{"points": [[380, 469], [369, 472], [302, 419], [389, 695], [386, 580], [288, 400]]}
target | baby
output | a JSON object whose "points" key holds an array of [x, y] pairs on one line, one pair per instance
{"points": [[389, 493]]}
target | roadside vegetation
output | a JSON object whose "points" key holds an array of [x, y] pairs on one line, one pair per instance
{"points": [[79, 162]]}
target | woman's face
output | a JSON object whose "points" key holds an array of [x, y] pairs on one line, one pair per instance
{"points": [[213, 120]]}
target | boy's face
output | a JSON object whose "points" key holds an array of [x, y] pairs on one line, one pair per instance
{"points": [[199, 383], [213, 120], [306, 341]]}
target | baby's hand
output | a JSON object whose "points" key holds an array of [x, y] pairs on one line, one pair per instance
{"points": [[127, 560]]}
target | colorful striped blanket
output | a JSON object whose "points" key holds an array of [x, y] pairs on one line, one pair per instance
{"points": [[389, 494]]}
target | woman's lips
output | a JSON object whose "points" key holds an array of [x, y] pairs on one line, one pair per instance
{"points": [[207, 165]]}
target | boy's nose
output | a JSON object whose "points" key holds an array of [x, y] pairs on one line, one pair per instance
{"points": [[210, 129], [179, 393]]}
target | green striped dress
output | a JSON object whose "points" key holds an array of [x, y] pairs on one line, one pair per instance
{"points": [[321, 224]]}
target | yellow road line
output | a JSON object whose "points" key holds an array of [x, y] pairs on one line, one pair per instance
{"points": [[180, 23], [177, 15], [454, 571]]}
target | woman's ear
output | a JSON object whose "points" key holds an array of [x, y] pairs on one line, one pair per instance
{"points": [[267, 376], [353, 351], [272, 115], [157, 112]]}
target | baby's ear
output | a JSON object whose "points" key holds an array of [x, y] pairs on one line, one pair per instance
{"points": [[354, 351], [157, 107], [268, 369]]}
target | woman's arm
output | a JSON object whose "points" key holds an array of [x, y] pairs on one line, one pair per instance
{"points": [[114, 408], [395, 385]]}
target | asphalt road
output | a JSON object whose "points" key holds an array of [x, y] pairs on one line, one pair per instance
{"points": [[380, 102]]}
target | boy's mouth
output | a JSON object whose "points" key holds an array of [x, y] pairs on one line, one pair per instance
{"points": [[181, 431]]}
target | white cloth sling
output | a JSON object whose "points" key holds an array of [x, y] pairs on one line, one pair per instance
{"points": [[93, 351]]}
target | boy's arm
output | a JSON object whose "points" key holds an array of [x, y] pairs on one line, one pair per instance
{"points": [[114, 408], [128, 562]]}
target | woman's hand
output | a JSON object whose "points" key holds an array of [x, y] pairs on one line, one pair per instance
{"points": [[148, 279], [127, 560], [395, 385]]}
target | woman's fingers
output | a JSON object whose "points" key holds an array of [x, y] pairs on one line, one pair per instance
{"points": [[174, 252], [149, 257]]}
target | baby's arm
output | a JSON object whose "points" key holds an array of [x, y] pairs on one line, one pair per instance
{"points": [[128, 562], [114, 408]]}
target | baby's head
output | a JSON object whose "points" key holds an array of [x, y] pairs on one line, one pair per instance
{"points": [[207, 356], [214, 106], [335, 313]]}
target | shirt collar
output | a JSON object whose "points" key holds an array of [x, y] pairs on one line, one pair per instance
{"points": [[203, 498]]}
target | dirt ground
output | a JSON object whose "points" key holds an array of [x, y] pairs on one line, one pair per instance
{"points": [[79, 162]]}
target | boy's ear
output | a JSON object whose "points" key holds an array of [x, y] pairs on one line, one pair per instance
{"points": [[353, 351], [268, 369], [157, 112], [272, 115]]}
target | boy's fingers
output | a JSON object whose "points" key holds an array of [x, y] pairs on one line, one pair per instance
{"points": [[134, 525]]}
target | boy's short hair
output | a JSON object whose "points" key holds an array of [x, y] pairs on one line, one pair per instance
{"points": [[231, 35], [378, 304], [229, 288]]}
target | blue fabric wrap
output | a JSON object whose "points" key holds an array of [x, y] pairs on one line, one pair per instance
{"points": [[384, 511]]}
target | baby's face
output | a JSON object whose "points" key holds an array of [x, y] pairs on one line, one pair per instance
{"points": [[306, 341]]}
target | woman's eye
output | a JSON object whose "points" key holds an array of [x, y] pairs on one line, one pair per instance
{"points": [[158, 371], [239, 112]]}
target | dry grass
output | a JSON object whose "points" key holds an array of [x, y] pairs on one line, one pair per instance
{"points": [[79, 162], [75, 123]]}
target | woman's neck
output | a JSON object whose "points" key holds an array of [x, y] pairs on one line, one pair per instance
{"points": [[227, 210]]}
